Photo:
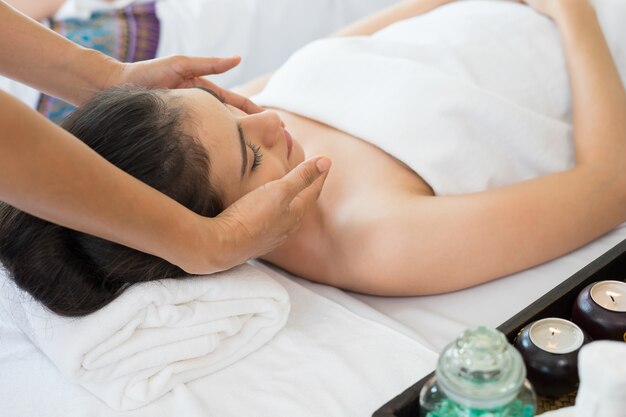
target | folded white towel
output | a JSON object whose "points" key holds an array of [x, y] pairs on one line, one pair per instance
{"points": [[602, 370], [157, 334]]}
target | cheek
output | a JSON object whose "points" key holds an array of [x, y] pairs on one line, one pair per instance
{"points": [[236, 191], [268, 171], [297, 155]]}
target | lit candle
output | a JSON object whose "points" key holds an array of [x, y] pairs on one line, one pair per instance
{"points": [[600, 310], [556, 335], [550, 348], [610, 295]]}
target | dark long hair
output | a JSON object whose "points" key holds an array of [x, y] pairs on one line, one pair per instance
{"points": [[139, 131]]}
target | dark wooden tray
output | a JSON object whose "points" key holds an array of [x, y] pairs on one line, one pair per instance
{"points": [[556, 303]]}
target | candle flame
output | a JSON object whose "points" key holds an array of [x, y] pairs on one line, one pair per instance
{"points": [[612, 295]]}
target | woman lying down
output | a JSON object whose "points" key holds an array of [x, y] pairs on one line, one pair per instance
{"points": [[455, 161]]}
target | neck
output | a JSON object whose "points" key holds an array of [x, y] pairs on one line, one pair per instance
{"points": [[303, 250]]}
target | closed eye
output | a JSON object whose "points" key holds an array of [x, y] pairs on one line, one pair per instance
{"points": [[258, 156], [256, 152]]}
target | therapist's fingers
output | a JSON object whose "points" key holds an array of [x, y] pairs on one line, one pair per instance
{"points": [[191, 67], [181, 71], [242, 103], [170, 72], [304, 183], [263, 219]]}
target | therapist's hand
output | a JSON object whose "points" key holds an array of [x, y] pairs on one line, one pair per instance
{"points": [[181, 72], [262, 220]]}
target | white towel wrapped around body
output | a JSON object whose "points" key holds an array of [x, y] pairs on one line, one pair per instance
{"points": [[472, 96], [156, 334]]}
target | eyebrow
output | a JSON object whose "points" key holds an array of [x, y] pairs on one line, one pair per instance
{"points": [[244, 151], [242, 141], [213, 93]]}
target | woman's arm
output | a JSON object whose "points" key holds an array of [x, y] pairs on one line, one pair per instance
{"points": [[393, 14], [599, 101], [429, 245]]}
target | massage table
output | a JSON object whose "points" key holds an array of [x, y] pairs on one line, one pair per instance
{"points": [[340, 353]]}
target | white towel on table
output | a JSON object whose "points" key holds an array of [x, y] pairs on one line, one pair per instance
{"points": [[156, 334]]}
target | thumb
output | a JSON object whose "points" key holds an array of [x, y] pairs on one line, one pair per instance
{"points": [[303, 176]]}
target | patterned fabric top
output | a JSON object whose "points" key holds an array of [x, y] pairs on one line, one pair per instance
{"points": [[128, 35]]}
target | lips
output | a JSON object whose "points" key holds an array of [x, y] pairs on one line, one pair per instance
{"points": [[289, 141]]}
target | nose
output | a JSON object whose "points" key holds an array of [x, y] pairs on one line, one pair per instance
{"points": [[264, 127]]}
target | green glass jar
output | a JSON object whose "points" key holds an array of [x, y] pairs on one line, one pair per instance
{"points": [[479, 375]]}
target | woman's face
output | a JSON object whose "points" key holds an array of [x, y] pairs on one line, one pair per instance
{"points": [[246, 150]]}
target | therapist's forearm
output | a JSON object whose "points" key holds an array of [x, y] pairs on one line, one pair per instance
{"points": [[34, 55], [38, 9], [386, 17], [48, 173]]}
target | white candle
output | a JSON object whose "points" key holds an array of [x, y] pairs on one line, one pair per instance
{"points": [[610, 295], [556, 335]]}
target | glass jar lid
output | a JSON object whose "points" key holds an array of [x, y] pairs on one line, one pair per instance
{"points": [[481, 370]]}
